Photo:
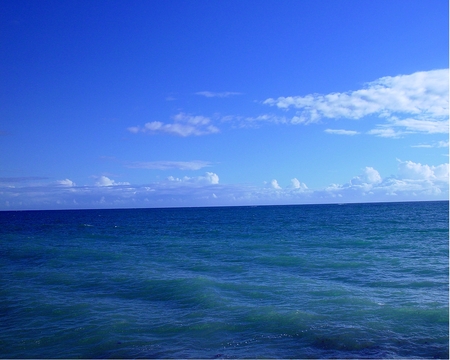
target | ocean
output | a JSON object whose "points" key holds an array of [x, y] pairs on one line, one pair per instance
{"points": [[298, 281]]}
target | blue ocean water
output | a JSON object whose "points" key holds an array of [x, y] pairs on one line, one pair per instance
{"points": [[307, 281]]}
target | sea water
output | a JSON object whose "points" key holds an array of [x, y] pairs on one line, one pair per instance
{"points": [[307, 281]]}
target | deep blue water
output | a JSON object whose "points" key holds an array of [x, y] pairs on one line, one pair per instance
{"points": [[307, 281]]}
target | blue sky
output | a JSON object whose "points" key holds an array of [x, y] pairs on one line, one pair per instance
{"points": [[111, 104]]}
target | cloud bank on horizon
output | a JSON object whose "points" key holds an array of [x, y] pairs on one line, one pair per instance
{"points": [[413, 181]]}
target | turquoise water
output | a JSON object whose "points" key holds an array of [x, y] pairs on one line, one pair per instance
{"points": [[309, 281]]}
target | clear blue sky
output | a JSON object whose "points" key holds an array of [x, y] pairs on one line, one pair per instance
{"points": [[205, 103]]}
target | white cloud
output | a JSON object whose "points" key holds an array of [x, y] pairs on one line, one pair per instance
{"points": [[183, 125], [417, 171], [134, 129], [105, 181], [425, 126], [439, 144], [369, 176], [209, 179], [268, 118], [274, 184], [409, 126], [386, 132], [224, 94], [296, 184], [341, 132], [167, 165], [413, 103], [254, 121], [414, 181], [422, 146], [65, 182]]}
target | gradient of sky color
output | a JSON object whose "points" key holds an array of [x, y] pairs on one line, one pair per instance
{"points": [[109, 104]]}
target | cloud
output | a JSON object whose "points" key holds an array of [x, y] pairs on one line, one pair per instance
{"points": [[275, 185], [415, 103], [409, 126], [21, 179], [184, 125], [341, 132], [105, 181], [439, 144], [414, 181], [65, 182], [224, 94], [168, 165], [296, 184], [209, 178], [417, 171], [369, 176], [386, 132]]}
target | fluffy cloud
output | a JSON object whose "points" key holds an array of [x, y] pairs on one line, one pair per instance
{"points": [[105, 181], [183, 125], [409, 103], [413, 182], [274, 184], [296, 184], [168, 165], [417, 171], [369, 176], [208, 178]]}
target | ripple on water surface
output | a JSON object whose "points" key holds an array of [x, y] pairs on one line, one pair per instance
{"points": [[322, 281]]}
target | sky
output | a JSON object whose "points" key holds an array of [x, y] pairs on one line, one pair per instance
{"points": [[130, 104]]}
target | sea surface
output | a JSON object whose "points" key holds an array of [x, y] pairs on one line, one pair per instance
{"points": [[303, 281]]}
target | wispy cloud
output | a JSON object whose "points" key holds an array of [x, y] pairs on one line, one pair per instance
{"points": [[386, 132], [184, 125], [396, 127], [21, 179], [439, 144], [416, 103], [255, 121], [65, 182], [341, 132], [211, 94], [169, 165]]}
